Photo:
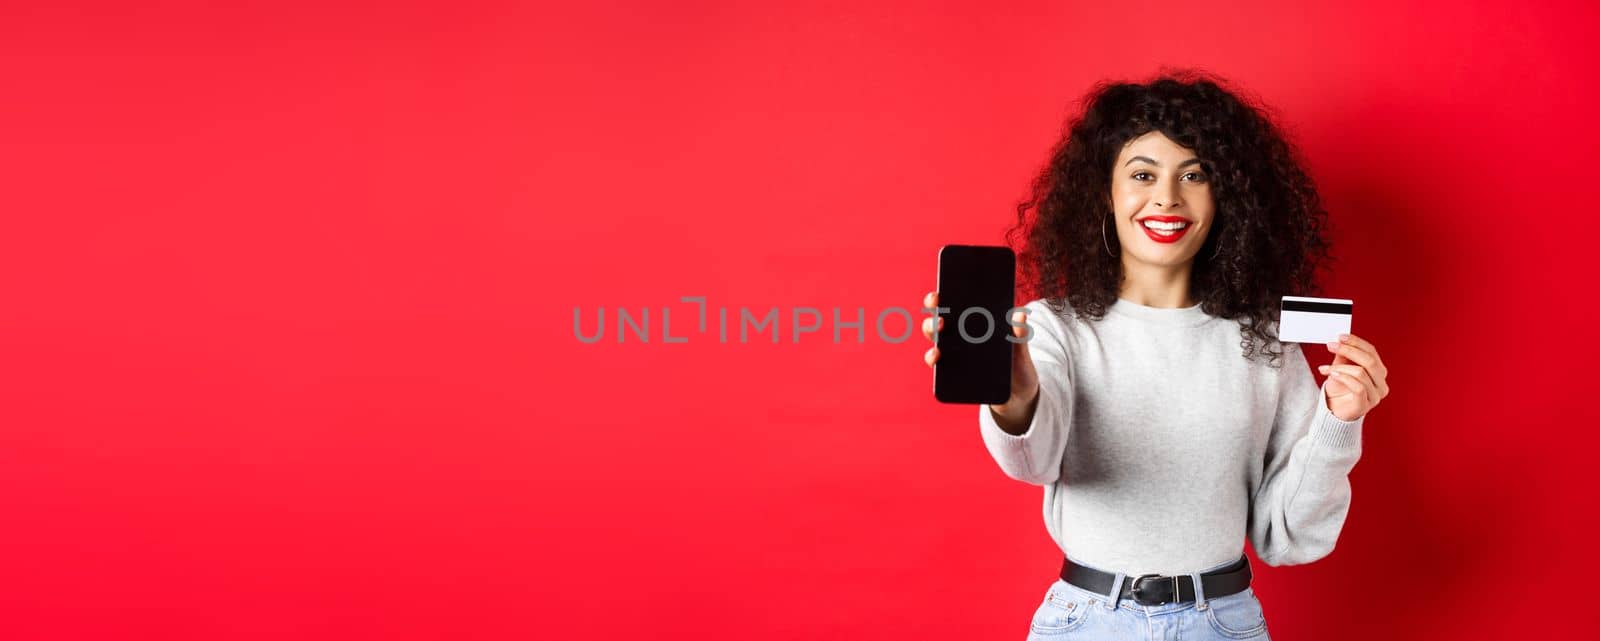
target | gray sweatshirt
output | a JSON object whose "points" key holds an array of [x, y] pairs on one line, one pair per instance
{"points": [[1160, 448]]}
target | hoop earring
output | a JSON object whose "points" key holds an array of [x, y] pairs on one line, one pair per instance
{"points": [[1103, 241]]}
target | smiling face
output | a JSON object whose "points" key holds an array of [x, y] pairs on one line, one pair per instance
{"points": [[1161, 201]]}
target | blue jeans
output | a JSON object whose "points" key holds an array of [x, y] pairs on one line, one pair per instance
{"points": [[1071, 612]]}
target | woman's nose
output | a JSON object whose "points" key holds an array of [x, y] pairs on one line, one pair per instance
{"points": [[1168, 199]]}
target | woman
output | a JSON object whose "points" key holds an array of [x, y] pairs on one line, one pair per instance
{"points": [[1152, 400]]}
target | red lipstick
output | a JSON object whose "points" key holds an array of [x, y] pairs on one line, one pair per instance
{"points": [[1164, 237]]}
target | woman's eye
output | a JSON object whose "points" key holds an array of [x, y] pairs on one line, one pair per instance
{"points": [[1195, 176], [1141, 176]]}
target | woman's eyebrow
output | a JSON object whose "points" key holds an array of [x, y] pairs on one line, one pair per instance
{"points": [[1186, 163]]}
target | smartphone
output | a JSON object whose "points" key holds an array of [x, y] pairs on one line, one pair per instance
{"points": [[976, 286]]}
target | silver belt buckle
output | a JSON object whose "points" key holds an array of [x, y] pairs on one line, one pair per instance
{"points": [[1142, 583]]}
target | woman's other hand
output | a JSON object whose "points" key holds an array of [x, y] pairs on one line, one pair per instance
{"points": [[1357, 378], [1024, 379]]}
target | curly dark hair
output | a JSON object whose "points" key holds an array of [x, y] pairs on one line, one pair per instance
{"points": [[1269, 233]]}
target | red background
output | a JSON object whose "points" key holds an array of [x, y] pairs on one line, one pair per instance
{"points": [[288, 294]]}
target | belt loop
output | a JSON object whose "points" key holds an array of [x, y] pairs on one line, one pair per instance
{"points": [[1116, 591], [1199, 592]]}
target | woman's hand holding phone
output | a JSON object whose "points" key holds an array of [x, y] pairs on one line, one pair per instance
{"points": [[1016, 414]]}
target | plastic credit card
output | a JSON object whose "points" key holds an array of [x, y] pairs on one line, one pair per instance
{"points": [[1314, 320]]}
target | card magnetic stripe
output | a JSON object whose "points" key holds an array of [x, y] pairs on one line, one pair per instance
{"points": [[1322, 308]]}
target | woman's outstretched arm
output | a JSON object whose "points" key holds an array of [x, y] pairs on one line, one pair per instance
{"points": [[1028, 437]]}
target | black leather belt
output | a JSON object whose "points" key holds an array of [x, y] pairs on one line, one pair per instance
{"points": [[1155, 589]]}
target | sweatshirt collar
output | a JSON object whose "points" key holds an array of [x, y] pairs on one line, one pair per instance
{"points": [[1174, 316]]}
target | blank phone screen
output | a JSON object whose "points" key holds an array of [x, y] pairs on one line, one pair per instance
{"points": [[976, 283]]}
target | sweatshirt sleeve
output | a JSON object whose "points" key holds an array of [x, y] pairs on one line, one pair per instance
{"points": [[1035, 455], [1299, 507]]}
